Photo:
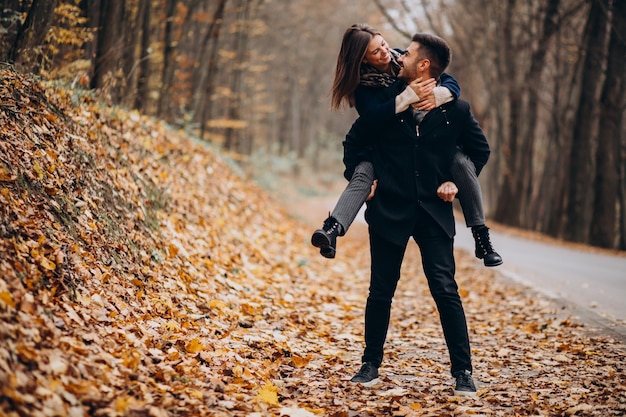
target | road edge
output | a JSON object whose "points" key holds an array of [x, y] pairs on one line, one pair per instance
{"points": [[594, 324]]}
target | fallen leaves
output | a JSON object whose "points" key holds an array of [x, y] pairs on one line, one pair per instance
{"points": [[140, 275]]}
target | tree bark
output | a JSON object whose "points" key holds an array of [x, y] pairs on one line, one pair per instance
{"points": [[32, 34], [169, 52], [143, 71], [10, 19], [508, 207], [107, 51], [91, 9], [607, 181], [529, 215], [233, 136], [131, 28], [207, 68], [582, 169]]}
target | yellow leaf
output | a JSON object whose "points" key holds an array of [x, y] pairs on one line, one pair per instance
{"points": [[415, 406], [47, 264], [268, 394], [194, 346], [172, 326], [7, 299], [196, 394], [217, 304], [173, 355], [132, 359], [122, 403], [38, 170]]}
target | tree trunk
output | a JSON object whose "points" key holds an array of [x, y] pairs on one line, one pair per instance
{"points": [[233, 135], [143, 72], [107, 51], [131, 29], [169, 61], [607, 182], [91, 9], [202, 100], [537, 65], [582, 173], [508, 204], [10, 20], [32, 34]]}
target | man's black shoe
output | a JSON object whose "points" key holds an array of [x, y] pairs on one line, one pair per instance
{"points": [[326, 237], [465, 385], [484, 250], [367, 375]]}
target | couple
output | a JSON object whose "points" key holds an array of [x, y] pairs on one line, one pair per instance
{"points": [[418, 141]]}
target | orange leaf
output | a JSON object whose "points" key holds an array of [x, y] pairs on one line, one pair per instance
{"points": [[7, 299], [194, 346]]}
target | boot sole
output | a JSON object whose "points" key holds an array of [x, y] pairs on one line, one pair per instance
{"points": [[471, 394], [371, 383], [319, 240]]}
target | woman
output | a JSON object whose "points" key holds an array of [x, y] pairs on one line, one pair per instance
{"points": [[366, 63]]}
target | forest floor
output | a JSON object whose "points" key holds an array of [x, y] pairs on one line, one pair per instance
{"points": [[141, 275]]}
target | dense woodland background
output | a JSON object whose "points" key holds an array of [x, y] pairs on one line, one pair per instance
{"points": [[546, 79]]}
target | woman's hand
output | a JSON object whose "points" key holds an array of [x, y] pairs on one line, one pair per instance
{"points": [[373, 191], [424, 90], [447, 191]]}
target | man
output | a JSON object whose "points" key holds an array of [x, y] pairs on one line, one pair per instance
{"points": [[412, 155]]}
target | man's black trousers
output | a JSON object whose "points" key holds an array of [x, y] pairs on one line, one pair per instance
{"points": [[438, 262]]}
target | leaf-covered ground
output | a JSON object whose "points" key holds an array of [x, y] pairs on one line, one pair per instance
{"points": [[141, 275]]}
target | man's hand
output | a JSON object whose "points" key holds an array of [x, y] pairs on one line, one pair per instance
{"points": [[373, 191], [447, 191]]}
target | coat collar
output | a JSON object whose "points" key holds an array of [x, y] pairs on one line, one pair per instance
{"points": [[432, 120]]}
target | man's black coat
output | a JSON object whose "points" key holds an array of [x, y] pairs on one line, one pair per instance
{"points": [[411, 166]]}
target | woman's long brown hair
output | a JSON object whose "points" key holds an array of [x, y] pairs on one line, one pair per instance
{"points": [[347, 74]]}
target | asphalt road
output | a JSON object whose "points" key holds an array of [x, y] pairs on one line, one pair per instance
{"points": [[593, 284]]}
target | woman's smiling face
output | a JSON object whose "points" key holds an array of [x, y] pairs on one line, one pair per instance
{"points": [[377, 54]]}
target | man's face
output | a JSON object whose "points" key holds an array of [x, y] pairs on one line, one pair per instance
{"points": [[409, 61]]}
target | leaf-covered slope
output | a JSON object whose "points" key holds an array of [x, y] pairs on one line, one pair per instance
{"points": [[141, 276], [128, 254]]}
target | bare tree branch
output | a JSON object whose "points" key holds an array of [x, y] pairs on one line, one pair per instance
{"points": [[391, 20]]}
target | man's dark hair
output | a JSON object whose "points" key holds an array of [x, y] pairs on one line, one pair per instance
{"points": [[436, 50]]}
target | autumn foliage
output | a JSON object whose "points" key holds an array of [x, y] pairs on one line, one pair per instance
{"points": [[142, 275]]}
